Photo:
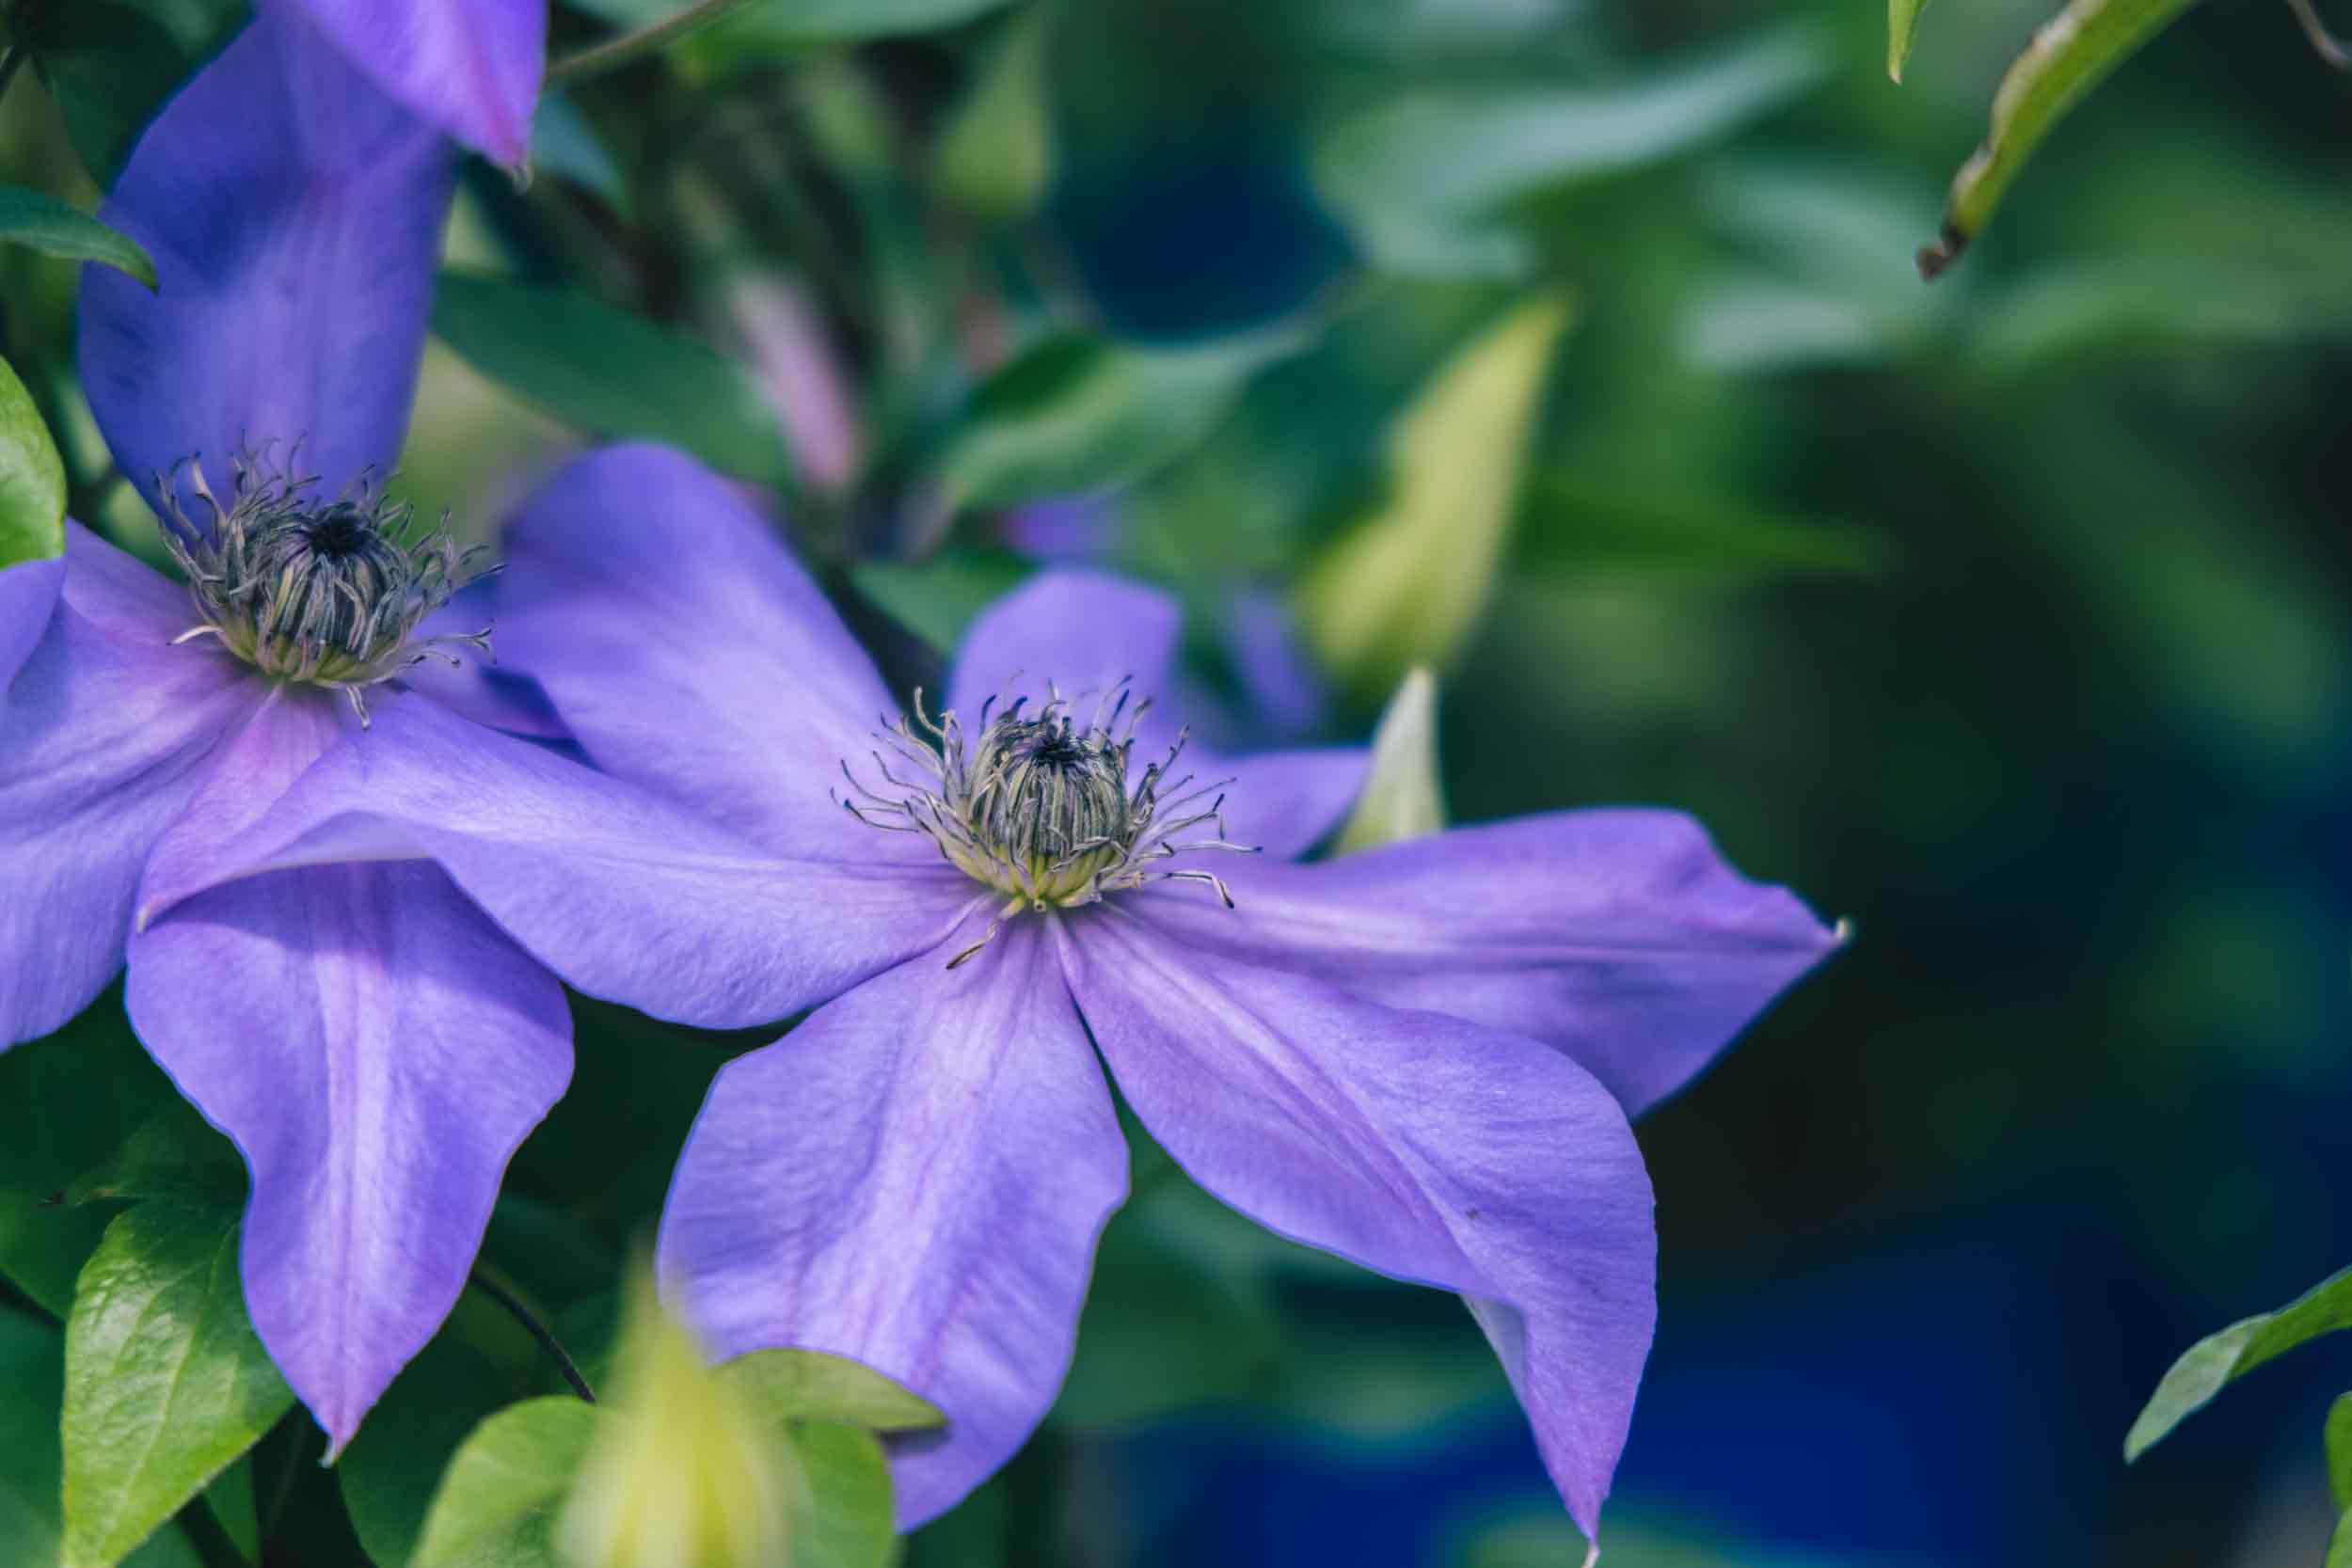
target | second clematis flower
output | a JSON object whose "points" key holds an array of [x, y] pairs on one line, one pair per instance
{"points": [[1420, 1059], [373, 1042]]}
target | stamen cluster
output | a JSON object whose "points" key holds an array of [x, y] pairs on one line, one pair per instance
{"points": [[324, 592], [1039, 806]]}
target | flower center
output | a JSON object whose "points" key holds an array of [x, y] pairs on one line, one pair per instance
{"points": [[326, 593], [1040, 807]]}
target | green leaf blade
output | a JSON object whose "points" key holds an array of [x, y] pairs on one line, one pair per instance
{"points": [[32, 479], [2072, 53], [840, 1510], [805, 1385], [167, 1383], [611, 372], [2222, 1357], [1403, 796], [1903, 17], [497, 1502], [1074, 415], [41, 222], [2340, 1450]]}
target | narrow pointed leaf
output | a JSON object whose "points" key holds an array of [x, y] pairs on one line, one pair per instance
{"points": [[1902, 16], [2072, 53], [996, 156], [1403, 797], [41, 222], [1407, 586], [2222, 1357], [165, 1382]]}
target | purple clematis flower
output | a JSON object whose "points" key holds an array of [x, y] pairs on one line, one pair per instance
{"points": [[1420, 1057], [470, 67], [373, 1042]]}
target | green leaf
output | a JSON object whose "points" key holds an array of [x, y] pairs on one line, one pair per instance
{"points": [[939, 600], [175, 1153], [2072, 53], [32, 1388], [68, 1103], [1171, 1322], [113, 64], [165, 1382], [2339, 1544], [1426, 175], [996, 156], [2220, 1358], [32, 479], [1075, 414], [496, 1504], [839, 1505], [806, 1384], [392, 1469], [43, 222], [1902, 17], [1402, 797], [612, 373], [1407, 586], [1573, 526], [563, 143], [230, 1501], [2340, 1450], [798, 22]]}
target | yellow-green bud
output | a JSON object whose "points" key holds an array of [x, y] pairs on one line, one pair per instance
{"points": [[688, 1476]]}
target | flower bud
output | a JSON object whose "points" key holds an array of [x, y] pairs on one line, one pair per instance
{"points": [[689, 1476]]}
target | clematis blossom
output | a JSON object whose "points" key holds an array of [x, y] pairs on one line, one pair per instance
{"points": [[1420, 1059], [470, 67], [375, 1045]]}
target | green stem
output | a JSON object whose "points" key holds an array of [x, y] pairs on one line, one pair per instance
{"points": [[599, 58], [482, 1281]]}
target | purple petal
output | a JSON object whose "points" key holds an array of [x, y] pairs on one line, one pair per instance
{"points": [[1284, 803], [105, 733], [476, 686], [378, 1050], [915, 1178], [27, 591], [1620, 937], [1424, 1146], [471, 67], [624, 895], [294, 215], [1084, 632], [690, 653]]}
